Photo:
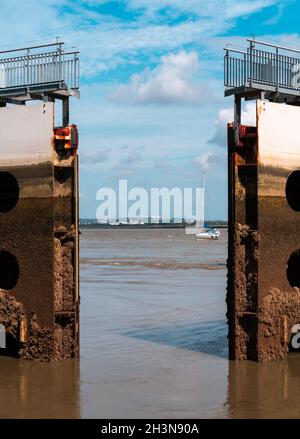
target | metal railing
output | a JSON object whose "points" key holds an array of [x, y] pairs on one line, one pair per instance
{"points": [[33, 67], [264, 67]]}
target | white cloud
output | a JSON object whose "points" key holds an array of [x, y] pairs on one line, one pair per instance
{"points": [[205, 160], [170, 82], [110, 40], [227, 8], [225, 115], [94, 156], [129, 164], [110, 45], [104, 41], [133, 157], [107, 42]]}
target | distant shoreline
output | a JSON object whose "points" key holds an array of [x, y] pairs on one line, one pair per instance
{"points": [[149, 226]]}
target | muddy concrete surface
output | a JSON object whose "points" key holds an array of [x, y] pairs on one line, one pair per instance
{"points": [[38, 303], [263, 263]]}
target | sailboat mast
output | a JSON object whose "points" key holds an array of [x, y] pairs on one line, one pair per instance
{"points": [[200, 200], [203, 196]]}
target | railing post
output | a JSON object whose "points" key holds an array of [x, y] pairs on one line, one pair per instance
{"points": [[74, 71], [277, 69], [245, 69], [226, 68], [60, 63], [28, 53], [77, 84], [252, 45]]}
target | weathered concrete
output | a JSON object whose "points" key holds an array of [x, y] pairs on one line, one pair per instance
{"points": [[41, 310], [263, 294]]}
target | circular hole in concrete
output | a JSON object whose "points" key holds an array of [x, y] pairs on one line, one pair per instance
{"points": [[9, 270], [9, 191], [292, 190], [293, 269]]}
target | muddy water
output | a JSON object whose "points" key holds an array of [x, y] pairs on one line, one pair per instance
{"points": [[153, 340]]}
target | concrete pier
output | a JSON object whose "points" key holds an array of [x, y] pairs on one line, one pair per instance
{"points": [[39, 293], [263, 295]]}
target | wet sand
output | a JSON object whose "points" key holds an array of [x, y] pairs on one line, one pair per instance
{"points": [[153, 340]]}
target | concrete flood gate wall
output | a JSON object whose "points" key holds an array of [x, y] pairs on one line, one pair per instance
{"points": [[39, 299], [263, 295]]}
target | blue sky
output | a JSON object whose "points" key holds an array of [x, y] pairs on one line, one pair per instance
{"points": [[152, 108]]}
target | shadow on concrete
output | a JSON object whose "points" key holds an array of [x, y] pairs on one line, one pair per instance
{"points": [[206, 337]]}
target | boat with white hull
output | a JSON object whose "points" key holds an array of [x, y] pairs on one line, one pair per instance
{"points": [[208, 234]]}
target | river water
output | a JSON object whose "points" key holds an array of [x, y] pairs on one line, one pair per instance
{"points": [[153, 340]]}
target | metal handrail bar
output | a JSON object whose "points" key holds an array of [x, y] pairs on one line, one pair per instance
{"points": [[33, 47], [275, 46], [234, 50]]}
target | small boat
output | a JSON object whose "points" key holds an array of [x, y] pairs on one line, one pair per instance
{"points": [[208, 234]]}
